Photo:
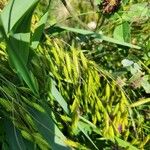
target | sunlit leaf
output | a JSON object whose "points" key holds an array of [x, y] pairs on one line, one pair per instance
{"points": [[14, 11], [122, 32], [58, 97]]}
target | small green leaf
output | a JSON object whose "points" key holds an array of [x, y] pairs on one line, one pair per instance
{"points": [[122, 32], [146, 84]]}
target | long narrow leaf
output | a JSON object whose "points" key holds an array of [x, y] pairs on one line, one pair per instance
{"points": [[58, 97], [87, 136], [98, 36]]}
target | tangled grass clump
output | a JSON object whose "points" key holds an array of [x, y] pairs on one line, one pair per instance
{"points": [[54, 93]]}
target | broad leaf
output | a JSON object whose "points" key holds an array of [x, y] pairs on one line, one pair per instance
{"points": [[122, 32], [14, 11], [48, 129], [20, 43], [14, 137], [18, 61]]}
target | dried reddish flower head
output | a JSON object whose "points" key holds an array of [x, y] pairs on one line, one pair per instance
{"points": [[109, 6]]}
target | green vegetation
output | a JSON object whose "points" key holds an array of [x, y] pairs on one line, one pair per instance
{"points": [[74, 74]]}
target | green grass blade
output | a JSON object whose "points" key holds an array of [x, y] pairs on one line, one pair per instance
{"points": [[58, 97], [87, 136], [76, 30], [98, 36], [112, 40]]}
